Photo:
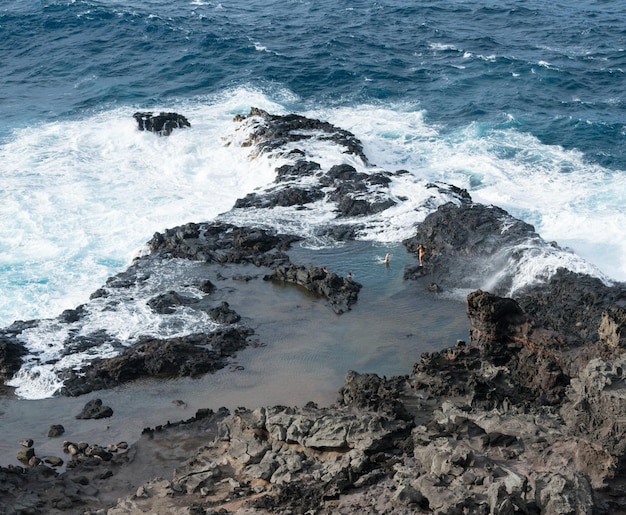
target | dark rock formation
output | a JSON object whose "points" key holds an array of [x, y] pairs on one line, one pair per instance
{"points": [[470, 244], [162, 124], [489, 426], [353, 191], [11, 353], [55, 430], [223, 314], [340, 292], [574, 304], [166, 303], [95, 409], [192, 356], [223, 243], [287, 196], [528, 416], [355, 194], [272, 132]]}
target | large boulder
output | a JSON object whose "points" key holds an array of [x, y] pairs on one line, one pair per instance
{"points": [[223, 243]]}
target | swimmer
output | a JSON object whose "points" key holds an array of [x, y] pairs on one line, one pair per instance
{"points": [[387, 257]]}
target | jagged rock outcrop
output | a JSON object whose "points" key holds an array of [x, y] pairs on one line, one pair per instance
{"points": [[95, 409], [223, 243], [270, 133], [340, 292], [470, 245], [162, 124], [487, 426], [191, 356], [574, 304], [11, 353], [526, 417]]}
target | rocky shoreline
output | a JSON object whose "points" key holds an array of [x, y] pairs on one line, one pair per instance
{"points": [[526, 416]]}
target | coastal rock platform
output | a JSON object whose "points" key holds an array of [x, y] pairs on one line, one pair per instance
{"points": [[525, 415]]}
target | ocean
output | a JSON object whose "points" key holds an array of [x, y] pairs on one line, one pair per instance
{"points": [[522, 103]]}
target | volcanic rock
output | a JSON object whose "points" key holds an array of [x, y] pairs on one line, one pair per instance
{"points": [[162, 124], [340, 292], [95, 409]]}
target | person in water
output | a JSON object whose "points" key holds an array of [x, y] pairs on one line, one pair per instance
{"points": [[387, 257]]}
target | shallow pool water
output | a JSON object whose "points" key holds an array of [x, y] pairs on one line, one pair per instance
{"points": [[304, 350]]}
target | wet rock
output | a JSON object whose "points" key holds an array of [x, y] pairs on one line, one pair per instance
{"points": [[25, 454], [206, 287], [53, 461], [223, 314], [73, 315], [55, 430], [284, 197], [340, 292], [223, 243], [352, 191], [192, 355], [11, 354], [166, 303], [95, 409], [271, 132], [299, 169], [468, 245], [162, 124]]}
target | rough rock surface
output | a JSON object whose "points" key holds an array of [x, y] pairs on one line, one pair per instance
{"points": [[272, 133], [469, 244], [162, 124], [11, 354], [223, 243], [489, 426], [340, 292], [95, 409], [191, 356]]}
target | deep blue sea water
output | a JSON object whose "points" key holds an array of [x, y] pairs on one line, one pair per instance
{"points": [[554, 70], [520, 102]]}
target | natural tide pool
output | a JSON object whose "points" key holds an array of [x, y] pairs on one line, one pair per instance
{"points": [[304, 351]]}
